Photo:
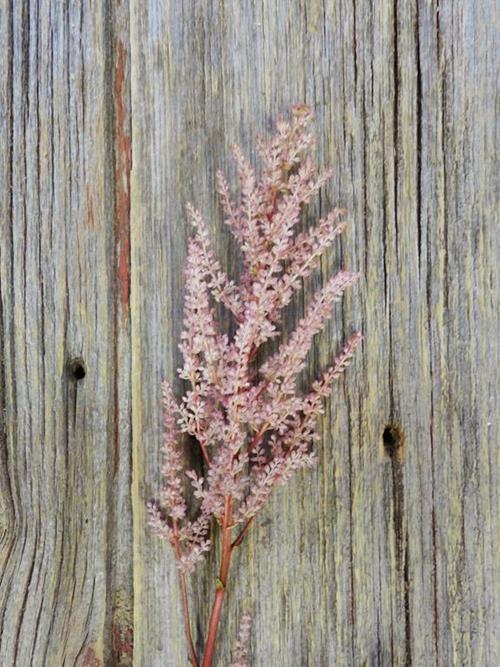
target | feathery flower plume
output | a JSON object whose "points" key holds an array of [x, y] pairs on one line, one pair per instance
{"points": [[240, 650], [254, 428]]}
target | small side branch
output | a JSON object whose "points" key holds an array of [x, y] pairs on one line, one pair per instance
{"points": [[242, 534], [185, 601]]}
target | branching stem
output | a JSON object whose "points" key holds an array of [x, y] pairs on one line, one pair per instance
{"points": [[185, 601], [220, 591], [242, 534]]}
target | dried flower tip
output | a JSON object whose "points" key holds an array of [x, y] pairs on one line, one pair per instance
{"points": [[239, 656]]}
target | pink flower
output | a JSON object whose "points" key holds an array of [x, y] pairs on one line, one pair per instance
{"points": [[253, 426]]}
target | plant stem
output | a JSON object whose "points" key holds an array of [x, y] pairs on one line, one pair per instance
{"points": [[205, 454], [185, 602], [187, 623], [213, 626], [242, 534]]}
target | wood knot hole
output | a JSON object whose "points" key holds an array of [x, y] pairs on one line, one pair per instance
{"points": [[77, 368], [393, 440]]}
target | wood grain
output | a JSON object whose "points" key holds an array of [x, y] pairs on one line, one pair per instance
{"points": [[112, 116], [66, 577]]}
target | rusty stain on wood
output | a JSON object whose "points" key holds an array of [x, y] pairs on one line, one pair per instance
{"points": [[88, 658], [122, 181], [123, 644], [90, 207]]}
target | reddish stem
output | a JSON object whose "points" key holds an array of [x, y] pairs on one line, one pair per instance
{"points": [[205, 453], [213, 626], [242, 534], [185, 601], [256, 440]]}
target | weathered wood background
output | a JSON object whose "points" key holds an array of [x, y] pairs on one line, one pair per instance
{"points": [[113, 114]]}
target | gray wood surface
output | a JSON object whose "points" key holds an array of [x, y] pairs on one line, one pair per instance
{"points": [[113, 115]]}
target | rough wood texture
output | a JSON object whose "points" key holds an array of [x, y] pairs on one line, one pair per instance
{"points": [[113, 115]]}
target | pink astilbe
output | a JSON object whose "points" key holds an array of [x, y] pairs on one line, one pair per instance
{"points": [[240, 650], [254, 428]]}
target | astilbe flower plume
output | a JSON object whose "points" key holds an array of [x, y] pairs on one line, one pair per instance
{"points": [[254, 428]]}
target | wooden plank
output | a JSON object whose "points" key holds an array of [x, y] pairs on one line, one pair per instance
{"points": [[113, 115], [65, 594], [364, 561]]}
